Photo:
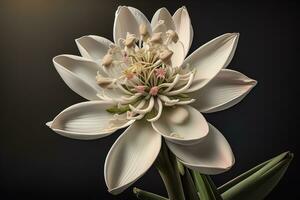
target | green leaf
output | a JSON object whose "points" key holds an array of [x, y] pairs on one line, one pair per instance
{"points": [[180, 167], [204, 187], [118, 110], [258, 182], [144, 195], [189, 186]]}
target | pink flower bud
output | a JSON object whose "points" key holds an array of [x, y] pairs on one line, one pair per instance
{"points": [[154, 91], [140, 88], [160, 73]]}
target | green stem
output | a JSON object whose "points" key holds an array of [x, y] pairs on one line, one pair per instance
{"points": [[168, 171], [144, 195]]}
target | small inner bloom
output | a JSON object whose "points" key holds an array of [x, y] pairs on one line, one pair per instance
{"points": [[140, 88], [154, 91], [129, 75], [143, 68], [160, 73]]}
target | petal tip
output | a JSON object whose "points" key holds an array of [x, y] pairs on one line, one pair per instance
{"points": [[49, 124]]}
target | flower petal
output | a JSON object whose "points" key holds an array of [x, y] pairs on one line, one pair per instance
{"points": [[141, 18], [184, 27], [212, 155], [210, 58], [182, 124], [178, 53], [124, 22], [163, 14], [227, 89], [93, 47], [131, 156], [88, 120], [79, 74]]}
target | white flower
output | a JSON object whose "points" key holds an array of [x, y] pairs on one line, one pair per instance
{"points": [[143, 81]]}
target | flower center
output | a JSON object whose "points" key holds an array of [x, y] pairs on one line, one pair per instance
{"points": [[138, 74]]}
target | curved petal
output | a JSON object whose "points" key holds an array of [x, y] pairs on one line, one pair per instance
{"points": [[93, 47], [124, 22], [88, 120], [79, 74], [182, 124], [210, 58], [178, 53], [131, 156], [140, 18], [184, 27], [160, 27], [212, 155], [164, 15], [225, 90]]}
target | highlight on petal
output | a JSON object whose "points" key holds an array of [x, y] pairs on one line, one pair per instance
{"points": [[212, 155], [182, 124], [79, 74], [183, 27], [210, 58], [163, 14], [131, 156], [93, 47], [228, 88], [124, 22], [141, 18], [88, 120], [178, 53]]}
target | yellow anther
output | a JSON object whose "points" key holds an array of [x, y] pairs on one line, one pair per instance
{"points": [[156, 37], [165, 55], [107, 60], [130, 40], [103, 81], [173, 35], [143, 29]]}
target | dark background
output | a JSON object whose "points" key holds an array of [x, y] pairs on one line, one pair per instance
{"points": [[39, 164]]}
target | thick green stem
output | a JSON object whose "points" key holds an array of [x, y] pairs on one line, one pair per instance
{"points": [[167, 168]]}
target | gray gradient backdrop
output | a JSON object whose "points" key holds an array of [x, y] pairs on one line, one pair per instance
{"points": [[39, 164]]}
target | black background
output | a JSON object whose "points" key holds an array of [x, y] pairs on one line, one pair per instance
{"points": [[39, 164]]}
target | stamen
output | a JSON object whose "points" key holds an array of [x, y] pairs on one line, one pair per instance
{"points": [[186, 102], [168, 101], [165, 55], [171, 85], [172, 35], [181, 90], [143, 29], [130, 40], [104, 82], [143, 111], [156, 38], [107, 60], [160, 108], [140, 89]]}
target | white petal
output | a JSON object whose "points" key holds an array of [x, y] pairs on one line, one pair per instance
{"points": [[87, 120], [212, 155], [225, 90], [210, 58], [131, 156], [178, 53], [93, 47], [163, 14], [160, 27], [79, 74], [184, 27], [141, 18], [182, 124], [124, 22]]}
